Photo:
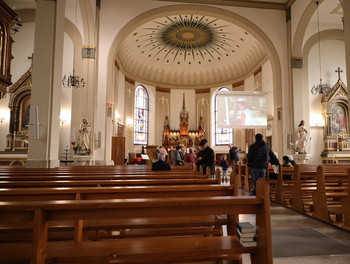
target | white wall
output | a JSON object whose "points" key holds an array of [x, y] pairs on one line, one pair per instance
{"points": [[66, 128], [22, 48], [332, 57]]}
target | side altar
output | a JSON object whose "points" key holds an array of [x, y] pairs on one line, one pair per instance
{"points": [[183, 135], [336, 129]]}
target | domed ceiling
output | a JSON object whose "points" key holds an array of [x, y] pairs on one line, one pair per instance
{"points": [[189, 50]]}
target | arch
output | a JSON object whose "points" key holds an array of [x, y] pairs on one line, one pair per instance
{"points": [[243, 22], [301, 28]]}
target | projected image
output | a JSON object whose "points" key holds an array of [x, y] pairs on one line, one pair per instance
{"points": [[241, 110]]}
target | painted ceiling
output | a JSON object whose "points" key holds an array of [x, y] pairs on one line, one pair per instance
{"points": [[189, 50]]}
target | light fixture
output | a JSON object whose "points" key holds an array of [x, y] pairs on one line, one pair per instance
{"points": [[74, 81], [322, 88]]}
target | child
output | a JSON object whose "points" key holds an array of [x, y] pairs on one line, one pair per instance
{"points": [[224, 165]]}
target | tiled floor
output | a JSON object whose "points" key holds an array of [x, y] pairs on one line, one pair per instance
{"points": [[282, 217]]}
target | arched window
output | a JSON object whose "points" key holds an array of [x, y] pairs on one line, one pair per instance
{"points": [[141, 116], [223, 136]]}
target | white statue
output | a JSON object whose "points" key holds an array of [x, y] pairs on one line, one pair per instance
{"points": [[84, 133], [302, 138]]}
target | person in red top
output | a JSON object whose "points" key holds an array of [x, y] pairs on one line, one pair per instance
{"points": [[190, 158]]}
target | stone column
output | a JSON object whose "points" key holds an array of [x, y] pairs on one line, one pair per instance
{"points": [[46, 89]]}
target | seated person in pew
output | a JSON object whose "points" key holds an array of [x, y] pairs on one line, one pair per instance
{"points": [[287, 163], [291, 160], [160, 164]]}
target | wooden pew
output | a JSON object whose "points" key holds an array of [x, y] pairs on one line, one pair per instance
{"points": [[345, 202], [280, 187], [243, 175], [101, 183], [303, 185], [92, 193], [332, 186], [138, 250]]}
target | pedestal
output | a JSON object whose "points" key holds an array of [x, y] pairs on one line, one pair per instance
{"points": [[301, 158], [82, 160]]}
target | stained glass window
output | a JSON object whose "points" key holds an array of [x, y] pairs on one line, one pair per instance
{"points": [[141, 116], [223, 136]]}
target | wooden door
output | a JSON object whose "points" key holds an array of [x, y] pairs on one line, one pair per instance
{"points": [[118, 150]]}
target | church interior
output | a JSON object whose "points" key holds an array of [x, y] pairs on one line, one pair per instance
{"points": [[102, 82]]}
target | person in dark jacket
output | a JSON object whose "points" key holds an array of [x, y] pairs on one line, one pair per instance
{"points": [[258, 159], [234, 157], [199, 159], [208, 158], [161, 164]]}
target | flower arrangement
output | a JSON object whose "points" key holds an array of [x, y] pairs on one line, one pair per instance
{"points": [[74, 146]]}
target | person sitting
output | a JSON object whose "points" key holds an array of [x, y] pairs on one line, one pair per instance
{"points": [[291, 160], [286, 162], [160, 164], [177, 159], [190, 158]]}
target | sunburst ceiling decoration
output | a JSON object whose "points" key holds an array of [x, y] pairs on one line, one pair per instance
{"points": [[189, 50], [186, 38]]}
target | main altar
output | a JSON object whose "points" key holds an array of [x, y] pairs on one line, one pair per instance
{"points": [[184, 135], [336, 129]]}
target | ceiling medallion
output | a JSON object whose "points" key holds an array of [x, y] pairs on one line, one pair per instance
{"points": [[186, 38]]}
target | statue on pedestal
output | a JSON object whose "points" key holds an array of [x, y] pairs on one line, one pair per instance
{"points": [[84, 135], [302, 138]]}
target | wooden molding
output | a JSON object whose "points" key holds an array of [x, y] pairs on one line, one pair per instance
{"points": [[129, 80], [199, 91], [163, 90]]}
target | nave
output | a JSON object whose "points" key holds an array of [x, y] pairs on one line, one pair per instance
{"points": [[325, 243]]}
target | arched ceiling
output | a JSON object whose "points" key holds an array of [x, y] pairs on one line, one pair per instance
{"points": [[189, 50]]}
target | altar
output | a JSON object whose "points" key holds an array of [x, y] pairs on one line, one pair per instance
{"points": [[336, 129], [183, 135]]}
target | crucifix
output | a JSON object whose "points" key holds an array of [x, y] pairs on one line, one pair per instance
{"points": [[338, 71], [129, 92], [31, 58]]}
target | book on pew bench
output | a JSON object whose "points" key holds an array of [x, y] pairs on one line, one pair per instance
{"points": [[246, 234], [250, 234], [247, 239], [245, 227], [249, 244]]}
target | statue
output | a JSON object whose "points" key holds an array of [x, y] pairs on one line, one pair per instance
{"points": [[166, 123], [84, 135], [302, 138]]}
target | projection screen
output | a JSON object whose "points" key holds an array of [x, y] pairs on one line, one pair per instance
{"points": [[241, 110]]}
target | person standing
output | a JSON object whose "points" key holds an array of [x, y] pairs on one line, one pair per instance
{"points": [[177, 159], [207, 158], [224, 165], [234, 158], [199, 159], [258, 159], [190, 158]]}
